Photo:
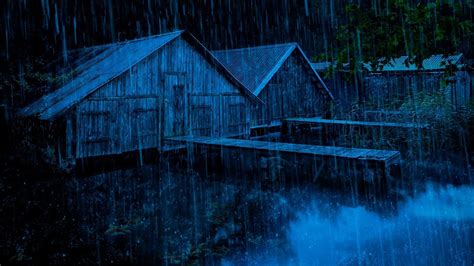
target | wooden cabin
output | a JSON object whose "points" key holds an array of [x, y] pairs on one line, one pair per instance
{"points": [[281, 76], [131, 95], [388, 85]]}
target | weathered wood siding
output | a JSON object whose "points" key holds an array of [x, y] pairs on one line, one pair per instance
{"points": [[219, 115], [173, 92], [290, 93]]}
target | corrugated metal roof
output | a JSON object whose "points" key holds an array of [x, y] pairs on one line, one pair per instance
{"points": [[255, 66], [324, 65], [432, 63], [95, 66], [321, 66]]}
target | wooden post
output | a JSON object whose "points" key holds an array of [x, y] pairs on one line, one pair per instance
{"points": [[188, 122], [161, 114], [221, 120], [69, 137], [187, 113]]}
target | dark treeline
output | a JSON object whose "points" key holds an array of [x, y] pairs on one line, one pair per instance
{"points": [[52, 26], [36, 31]]}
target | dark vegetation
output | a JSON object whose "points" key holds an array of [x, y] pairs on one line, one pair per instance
{"points": [[398, 27]]}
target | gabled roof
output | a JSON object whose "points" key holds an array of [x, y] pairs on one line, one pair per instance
{"points": [[433, 63], [255, 66], [98, 65]]}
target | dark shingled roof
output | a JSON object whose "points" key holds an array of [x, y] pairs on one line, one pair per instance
{"points": [[255, 66], [95, 66]]}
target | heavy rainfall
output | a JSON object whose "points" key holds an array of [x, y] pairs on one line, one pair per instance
{"points": [[253, 132]]}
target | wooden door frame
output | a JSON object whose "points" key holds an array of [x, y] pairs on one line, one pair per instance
{"points": [[181, 76]]}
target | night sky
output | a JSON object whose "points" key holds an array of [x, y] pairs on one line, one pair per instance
{"points": [[49, 26]]}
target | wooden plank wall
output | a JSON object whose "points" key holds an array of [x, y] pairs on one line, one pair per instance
{"points": [[290, 93], [390, 90], [221, 115], [168, 94], [462, 89]]}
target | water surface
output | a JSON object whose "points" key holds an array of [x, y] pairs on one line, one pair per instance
{"points": [[148, 215]]}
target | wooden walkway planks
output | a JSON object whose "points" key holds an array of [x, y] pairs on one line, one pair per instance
{"points": [[319, 121], [330, 151]]}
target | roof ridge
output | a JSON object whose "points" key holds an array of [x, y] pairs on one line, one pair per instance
{"points": [[128, 41]]}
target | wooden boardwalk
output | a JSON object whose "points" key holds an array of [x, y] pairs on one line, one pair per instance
{"points": [[320, 121], [279, 163], [387, 156]]}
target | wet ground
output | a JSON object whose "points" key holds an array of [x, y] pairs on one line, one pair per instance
{"points": [[152, 215]]}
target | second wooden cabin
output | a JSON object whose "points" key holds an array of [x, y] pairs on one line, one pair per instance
{"points": [[282, 77]]}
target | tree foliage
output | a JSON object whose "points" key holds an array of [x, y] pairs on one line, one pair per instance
{"points": [[398, 27]]}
